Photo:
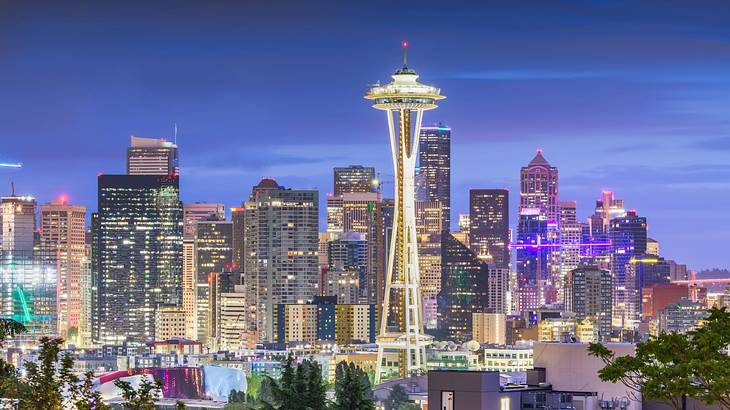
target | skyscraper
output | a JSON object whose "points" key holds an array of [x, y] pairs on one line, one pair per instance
{"points": [[63, 244], [538, 264], [197, 211], [355, 178], [628, 239], [571, 236], [28, 284], [434, 163], [213, 252], [139, 235], [539, 187], [281, 263], [151, 156], [404, 99], [588, 294], [489, 225], [465, 288]]}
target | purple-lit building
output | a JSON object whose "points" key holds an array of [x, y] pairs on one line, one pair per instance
{"points": [[628, 239]]}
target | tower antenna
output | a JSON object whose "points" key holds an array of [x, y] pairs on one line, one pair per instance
{"points": [[12, 188], [175, 134], [405, 50]]}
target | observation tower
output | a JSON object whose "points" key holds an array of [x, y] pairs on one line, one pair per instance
{"points": [[404, 100]]}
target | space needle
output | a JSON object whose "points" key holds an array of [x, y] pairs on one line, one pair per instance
{"points": [[404, 100]]}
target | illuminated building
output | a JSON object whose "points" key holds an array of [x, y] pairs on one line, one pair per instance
{"points": [[151, 156], [648, 270], [607, 208], [239, 229], [652, 247], [169, 322], [588, 294], [347, 270], [63, 243], [434, 162], [280, 248], [197, 211], [231, 322], [489, 224], [403, 97], [681, 317], [355, 178], [362, 213], [226, 285], [531, 258], [504, 359], [138, 232], [86, 290], [565, 329], [429, 220], [324, 319], [571, 237], [658, 296], [539, 187], [18, 224], [628, 239], [213, 250], [465, 288], [489, 328]]}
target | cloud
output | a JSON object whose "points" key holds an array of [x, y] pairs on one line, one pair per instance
{"points": [[713, 144]]}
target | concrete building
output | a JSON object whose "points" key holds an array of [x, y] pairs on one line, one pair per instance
{"points": [[588, 294], [170, 322], [152, 156], [63, 244], [281, 262], [489, 328], [456, 390], [138, 239], [505, 359]]}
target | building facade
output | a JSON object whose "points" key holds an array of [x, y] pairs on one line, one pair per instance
{"points": [[489, 225]]}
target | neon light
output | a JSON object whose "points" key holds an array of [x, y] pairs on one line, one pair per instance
{"points": [[557, 245], [23, 303]]}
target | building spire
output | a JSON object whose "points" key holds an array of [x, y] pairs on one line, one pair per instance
{"points": [[405, 52]]}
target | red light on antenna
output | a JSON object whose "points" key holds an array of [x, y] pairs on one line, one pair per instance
{"points": [[405, 43]]}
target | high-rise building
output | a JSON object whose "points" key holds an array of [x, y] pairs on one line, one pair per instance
{"points": [[539, 187], [231, 322], [239, 231], [681, 317], [151, 156], [213, 251], [489, 328], [571, 237], [531, 259], [656, 297], [18, 224], [86, 290], [355, 178], [404, 99], [170, 322], [28, 282], [489, 225], [434, 163], [325, 319], [347, 269], [281, 262], [138, 232], [537, 262], [197, 211], [464, 288], [628, 239], [652, 247], [588, 294], [63, 244]]}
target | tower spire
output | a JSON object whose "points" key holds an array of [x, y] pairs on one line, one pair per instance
{"points": [[405, 52]]}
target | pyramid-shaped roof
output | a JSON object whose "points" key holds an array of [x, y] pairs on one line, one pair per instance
{"points": [[539, 159]]}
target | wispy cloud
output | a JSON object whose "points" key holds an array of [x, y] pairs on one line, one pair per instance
{"points": [[713, 144]]}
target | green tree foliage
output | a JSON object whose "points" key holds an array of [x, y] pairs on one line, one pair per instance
{"points": [[46, 379], [10, 328], [672, 365], [142, 398], [179, 405], [710, 362], [352, 388], [10, 385], [397, 397], [299, 388]]}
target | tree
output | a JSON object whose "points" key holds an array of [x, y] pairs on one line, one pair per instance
{"points": [[299, 388], [660, 368], [10, 328], [47, 379], [179, 405], [142, 398], [352, 388], [397, 397], [709, 361], [84, 397]]}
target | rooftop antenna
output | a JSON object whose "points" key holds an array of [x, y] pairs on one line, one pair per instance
{"points": [[12, 188], [175, 133], [405, 50]]}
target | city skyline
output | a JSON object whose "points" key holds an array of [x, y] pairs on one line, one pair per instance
{"points": [[638, 105]]}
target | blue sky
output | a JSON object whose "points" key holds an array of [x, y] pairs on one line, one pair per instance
{"points": [[630, 96]]}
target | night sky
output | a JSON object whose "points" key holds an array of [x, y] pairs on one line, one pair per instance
{"points": [[628, 96]]}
